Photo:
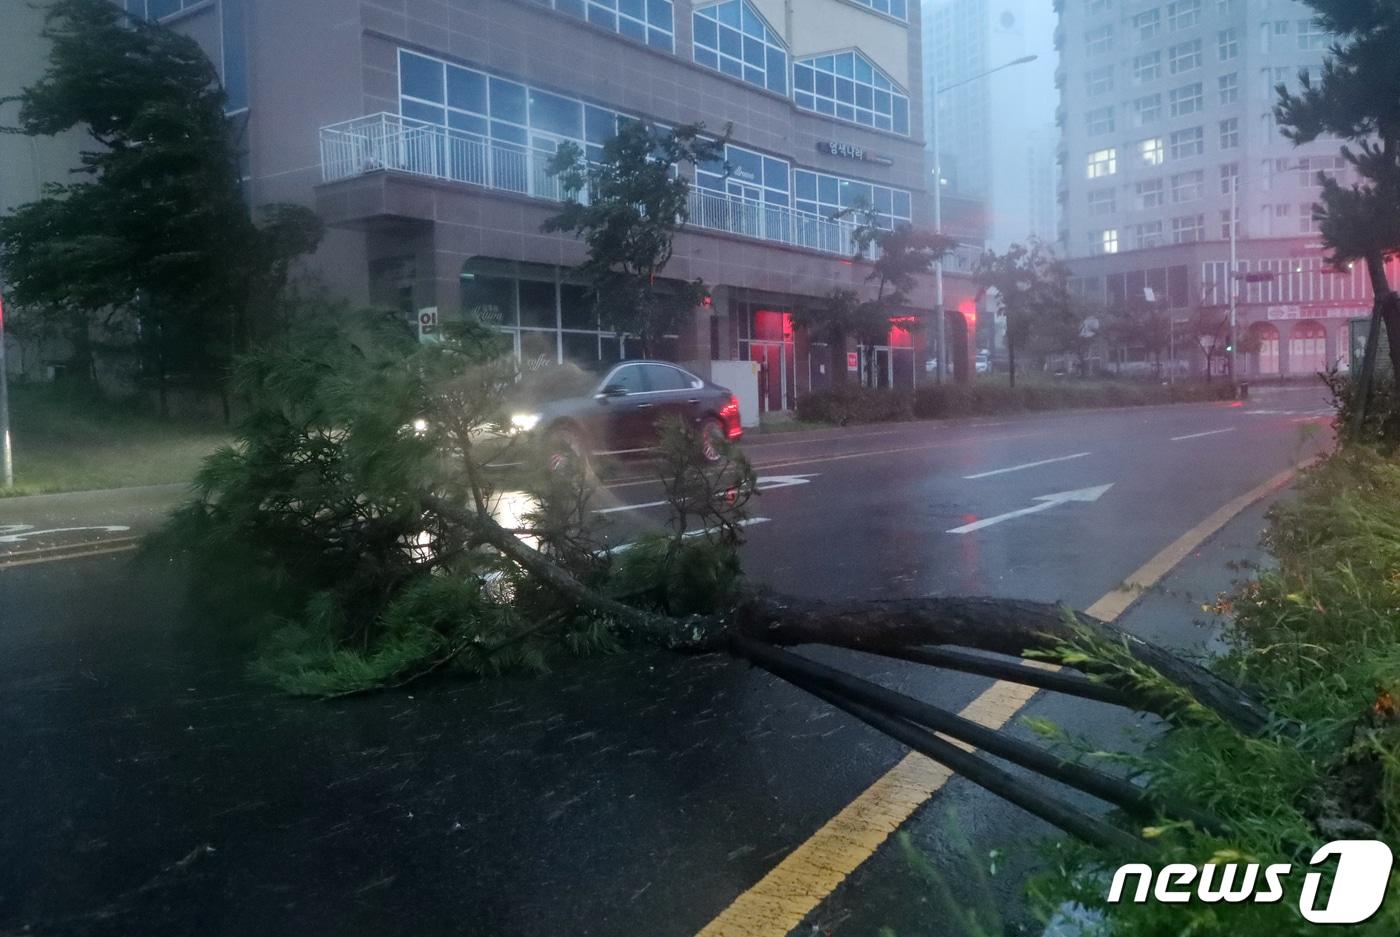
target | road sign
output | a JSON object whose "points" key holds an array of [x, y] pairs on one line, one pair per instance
{"points": [[1044, 503], [852, 361], [428, 324]]}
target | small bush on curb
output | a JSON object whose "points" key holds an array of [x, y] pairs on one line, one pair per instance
{"points": [[852, 403]]}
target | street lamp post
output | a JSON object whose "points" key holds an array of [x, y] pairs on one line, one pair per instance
{"points": [[7, 465], [938, 205]]}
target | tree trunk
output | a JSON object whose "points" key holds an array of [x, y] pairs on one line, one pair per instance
{"points": [[1364, 382], [1010, 352]]}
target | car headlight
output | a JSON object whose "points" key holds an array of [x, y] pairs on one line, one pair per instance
{"points": [[420, 426], [524, 422]]}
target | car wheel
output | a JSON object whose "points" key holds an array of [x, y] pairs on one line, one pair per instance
{"points": [[567, 448], [711, 438]]}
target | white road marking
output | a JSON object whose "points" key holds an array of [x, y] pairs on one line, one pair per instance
{"points": [[764, 483], [1046, 502], [25, 532], [746, 522], [1028, 465], [1214, 432]]}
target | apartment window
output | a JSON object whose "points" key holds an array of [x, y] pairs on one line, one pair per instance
{"points": [[1188, 228], [847, 85], [1099, 121], [1148, 234], [1188, 99], [1307, 224], [1103, 242], [158, 9], [1098, 40], [1102, 202], [1188, 186], [1229, 133], [1151, 152], [1229, 177], [1184, 56], [1149, 194], [1225, 224], [1229, 86], [1187, 143], [746, 174], [1147, 109], [899, 9], [1228, 44], [1099, 80], [820, 193], [1146, 67], [651, 22], [1148, 24], [1308, 169], [732, 38], [1183, 14], [1103, 163], [1226, 7], [1099, 6], [1311, 35]]}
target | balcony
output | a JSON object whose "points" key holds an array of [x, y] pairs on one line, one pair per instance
{"points": [[391, 142]]}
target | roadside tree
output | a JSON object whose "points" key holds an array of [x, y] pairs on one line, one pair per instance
{"points": [[1030, 287], [152, 252]]}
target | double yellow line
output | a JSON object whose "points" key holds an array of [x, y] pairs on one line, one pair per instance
{"points": [[68, 551]]}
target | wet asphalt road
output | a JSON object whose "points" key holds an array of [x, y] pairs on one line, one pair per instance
{"points": [[147, 786]]}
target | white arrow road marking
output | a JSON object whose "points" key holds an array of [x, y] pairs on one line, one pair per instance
{"points": [[766, 483], [1028, 465], [1214, 432], [28, 532], [1046, 502], [746, 522]]}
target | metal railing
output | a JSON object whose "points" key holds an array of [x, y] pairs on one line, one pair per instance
{"points": [[401, 144]]}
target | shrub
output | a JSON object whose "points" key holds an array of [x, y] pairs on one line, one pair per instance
{"points": [[944, 401], [851, 403]]}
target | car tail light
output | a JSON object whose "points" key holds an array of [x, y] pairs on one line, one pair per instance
{"points": [[729, 414]]}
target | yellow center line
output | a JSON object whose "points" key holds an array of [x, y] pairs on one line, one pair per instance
{"points": [[783, 898]]}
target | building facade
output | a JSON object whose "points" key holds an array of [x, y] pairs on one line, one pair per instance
{"points": [[420, 131], [1167, 120]]}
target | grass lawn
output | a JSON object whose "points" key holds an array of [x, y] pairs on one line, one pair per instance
{"points": [[67, 442]]}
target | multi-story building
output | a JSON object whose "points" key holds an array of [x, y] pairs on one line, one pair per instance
{"points": [[420, 130], [987, 125], [1166, 117]]}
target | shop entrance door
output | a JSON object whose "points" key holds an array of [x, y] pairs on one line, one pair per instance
{"points": [[773, 348]]}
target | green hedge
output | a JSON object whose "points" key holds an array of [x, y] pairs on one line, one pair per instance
{"points": [[852, 404]]}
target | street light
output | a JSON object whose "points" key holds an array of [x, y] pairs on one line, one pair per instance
{"points": [[938, 204]]}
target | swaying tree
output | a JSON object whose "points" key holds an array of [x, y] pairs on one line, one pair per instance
{"points": [[1030, 285], [1357, 100], [627, 207], [152, 248]]}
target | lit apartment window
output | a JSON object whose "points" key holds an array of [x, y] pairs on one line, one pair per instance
{"points": [[1102, 202], [1146, 67], [1099, 121], [1099, 80], [847, 85], [1103, 163], [1151, 152], [1103, 242], [1149, 193], [1228, 44], [1188, 99], [896, 8], [1188, 186], [1098, 40], [1147, 109], [1229, 133], [1148, 234], [1311, 35], [1183, 14], [1185, 56], [1188, 228], [1229, 176], [1229, 87], [1187, 143], [732, 38], [645, 22], [1148, 24]]}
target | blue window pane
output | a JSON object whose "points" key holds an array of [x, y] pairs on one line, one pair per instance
{"points": [[882, 102], [855, 193], [897, 8], [753, 52], [901, 115], [775, 174], [881, 81], [776, 198], [826, 106], [155, 9], [883, 122], [865, 117], [901, 205], [426, 112], [235, 56], [845, 90], [466, 90], [729, 13], [659, 13], [601, 125], [730, 42], [802, 78], [827, 189], [806, 100], [637, 9], [659, 40], [556, 115], [883, 200], [731, 67], [420, 77], [845, 65], [826, 85], [466, 123], [631, 29], [809, 207], [753, 76], [507, 133], [845, 112], [825, 64], [806, 183], [706, 57], [602, 17], [744, 165], [507, 101], [570, 6], [706, 32], [777, 71], [863, 70], [864, 96]]}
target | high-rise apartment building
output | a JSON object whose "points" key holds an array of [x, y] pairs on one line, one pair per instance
{"points": [[1166, 106], [421, 129], [984, 122]]}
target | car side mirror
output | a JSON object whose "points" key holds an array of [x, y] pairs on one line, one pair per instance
{"points": [[613, 390]]}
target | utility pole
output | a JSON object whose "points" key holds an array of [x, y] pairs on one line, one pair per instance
{"points": [[7, 463], [1234, 277], [938, 205]]}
